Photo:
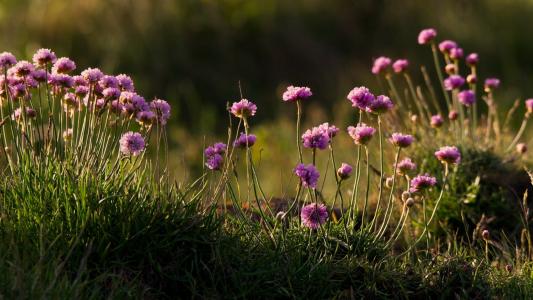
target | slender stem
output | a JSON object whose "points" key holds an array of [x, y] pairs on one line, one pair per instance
{"points": [[298, 120], [376, 214], [439, 73], [519, 134]]}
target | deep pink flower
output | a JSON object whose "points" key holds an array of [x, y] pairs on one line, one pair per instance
{"points": [[344, 171], [422, 182], [361, 97], [456, 53], [314, 215], [446, 46], [467, 97], [361, 134], [243, 109], [308, 175], [453, 82], [400, 65], [491, 83], [245, 141], [405, 166], [448, 154], [436, 121], [472, 59], [380, 64], [427, 35], [381, 104], [401, 140], [294, 93]]}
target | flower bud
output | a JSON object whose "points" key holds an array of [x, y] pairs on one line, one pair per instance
{"points": [[388, 182], [452, 115], [521, 148], [509, 268], [405, 195], [485, 234], [409, 202], [471, 79], [450, 69]]}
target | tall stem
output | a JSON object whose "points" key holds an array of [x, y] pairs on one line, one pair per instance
{"points": [[439, 73], [298, 119]]}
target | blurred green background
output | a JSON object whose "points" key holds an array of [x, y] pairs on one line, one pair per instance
{"points": [[194, 52]]}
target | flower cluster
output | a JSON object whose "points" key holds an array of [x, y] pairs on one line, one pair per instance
{"points": [[131, 143], [314, 215], [245, 141], [319, 137], [295, 93], [361, 134], [213, 156], [308, 175]]}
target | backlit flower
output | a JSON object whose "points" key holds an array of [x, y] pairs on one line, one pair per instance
{"points": [[422, 182], [308, 175], [436, 121], [361, 134], [381, 104], [446, 46], [294, 93], [427, 35], [448, 154], [245, 141], [400, 65], [380, 64], [405, 166], [401, 140], [360, 97], [314, 215], [44, 57], [472, 59], [491, 84], [453, 82], [344, 171], [131, 143], [466, 97], [243, 108], [63, 65]]}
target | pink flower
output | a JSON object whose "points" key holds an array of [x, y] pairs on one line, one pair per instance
{"points": [[294, 93], [314, 215], [447, 154], [380, 64], [361, 134], [400, 65], [427, 35], [243, 108]]}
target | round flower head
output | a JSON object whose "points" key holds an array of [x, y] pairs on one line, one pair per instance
{"points": [[39, 75], [161, 108], [245, 141], [472, 59], [64, 65], [401, 140], [491, 83], [67, 134], [529, 106], [81, 91], [108, 81], [453, 82], [361, 134], [217, 148], [521, 148], [361, 97], [422, 182], [400, 65], [471, 79], [405, 166], [452, 115], [131, 143], [80, 81], [243, 108], [43, 57], [92, 75], [446, 46], [314, 215], [308, 175], [467, 97], [344, 171], [381, 104], [18, 90], [144, 117], [447, 154], [22, 69], [214, 162], [427, 35], [7, 60], [61, 80], [436, 121], [330, 130], [456, 53], [116, 107], [380, 64], [294, 93], [111, 93], [316, 137], [125, 83]]}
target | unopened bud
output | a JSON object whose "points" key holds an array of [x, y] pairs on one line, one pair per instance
{"points": [[452, 115], [409, 202], [451, 69], [405, 195], [521, 148], [485, 234]]}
